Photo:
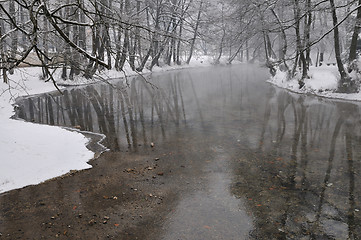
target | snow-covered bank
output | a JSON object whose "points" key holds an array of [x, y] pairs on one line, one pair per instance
{"points": [[196, 62], [323, 82], [32, 153]]}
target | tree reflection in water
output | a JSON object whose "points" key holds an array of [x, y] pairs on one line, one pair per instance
{"points": [[295, 159], [127, 116], [300, 182]]}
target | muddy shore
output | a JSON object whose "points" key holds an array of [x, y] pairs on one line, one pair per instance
{"points": [[124, 196]]}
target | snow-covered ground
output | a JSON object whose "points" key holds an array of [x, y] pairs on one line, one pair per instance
{"points": [[197, 61], [32, 153], [323, 82]]}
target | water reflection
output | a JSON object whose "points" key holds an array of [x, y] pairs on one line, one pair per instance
{"points": [[303, 173], [292, 161], [212, 213], [129, 117]]}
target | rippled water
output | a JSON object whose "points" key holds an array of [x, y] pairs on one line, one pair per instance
{"points": [[280, 166]]}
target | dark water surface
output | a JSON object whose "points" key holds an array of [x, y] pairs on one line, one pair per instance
{"points": [[261, 163]]}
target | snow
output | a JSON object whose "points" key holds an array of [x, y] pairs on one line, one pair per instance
{"points": [[323, 82], [196, 62], [32, 153]]}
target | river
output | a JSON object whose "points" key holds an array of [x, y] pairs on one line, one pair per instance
{"points": [[209, 153]]}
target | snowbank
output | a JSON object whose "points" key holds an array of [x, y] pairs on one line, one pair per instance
{"points": [[323, 82], [32, 153], [196, 62]]}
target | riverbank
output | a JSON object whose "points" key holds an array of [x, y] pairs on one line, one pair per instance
{"points": [[33, 153], [323, 82]]}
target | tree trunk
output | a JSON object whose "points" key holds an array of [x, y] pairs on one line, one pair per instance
{"points": [[66, 53], [137, 44], [232, 57], [132, 50], [126, 44], [247, 51], [300, 53], [153, 42], [107, 38], [118, 45], [221, 47], [353, 47], [2, 55], [91, 68], [156, 35], [345, 84], [308, 22], [195, 32], [283, 52], [46, 48], [145, 59], [75, 59], [24, 42], [82, 30], [268, 51], [179, 42], [124, 55], [14, 37]]}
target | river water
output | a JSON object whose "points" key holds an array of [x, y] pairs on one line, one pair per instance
{"points": [[260, 162]]}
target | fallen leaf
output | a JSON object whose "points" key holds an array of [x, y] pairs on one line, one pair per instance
{"points": [[207, 227], [75, 207], [116, 224]]}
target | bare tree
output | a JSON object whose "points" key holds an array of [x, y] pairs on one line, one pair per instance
{"points": [[195, 33]]}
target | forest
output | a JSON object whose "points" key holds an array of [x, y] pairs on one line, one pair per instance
{"points": [[82, 37]]}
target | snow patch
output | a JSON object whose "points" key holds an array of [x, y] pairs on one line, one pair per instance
{"points": [[323, 82], [32, 153]]}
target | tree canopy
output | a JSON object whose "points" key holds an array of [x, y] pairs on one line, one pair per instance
{"points": [[86, 36]]}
